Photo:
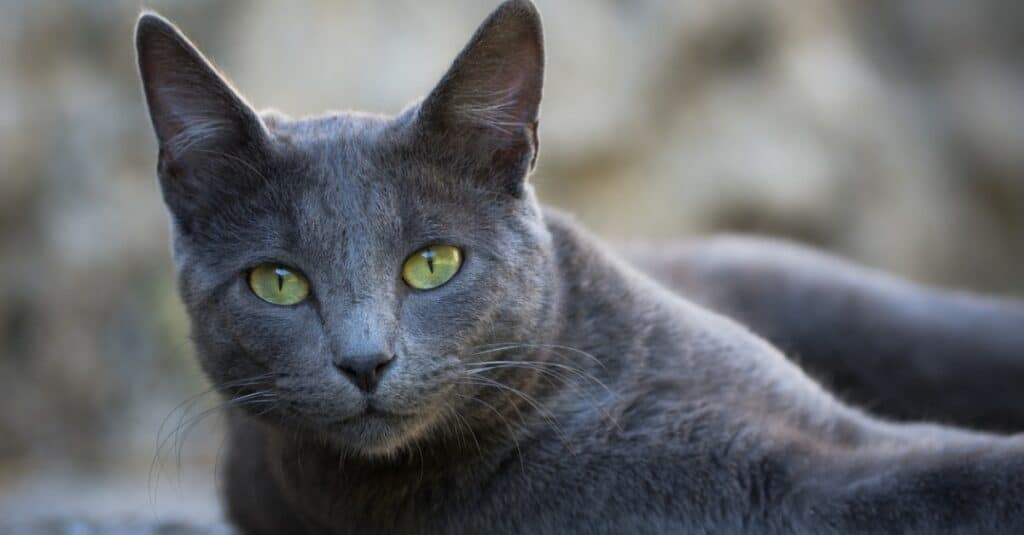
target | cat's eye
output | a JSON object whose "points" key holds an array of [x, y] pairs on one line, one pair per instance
{"points": [[278, 285], [432, 266]]}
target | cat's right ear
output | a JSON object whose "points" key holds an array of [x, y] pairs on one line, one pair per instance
{"points": [[196, 114], [487, 105]]}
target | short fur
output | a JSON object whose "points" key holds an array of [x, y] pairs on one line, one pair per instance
{"points": [[547, 388], [901, 349]]}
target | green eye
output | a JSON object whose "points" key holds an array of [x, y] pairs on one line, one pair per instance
{"points": [[278, 285], [432, 266]]}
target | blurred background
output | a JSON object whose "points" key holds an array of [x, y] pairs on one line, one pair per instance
{"points": [[888, 131]]}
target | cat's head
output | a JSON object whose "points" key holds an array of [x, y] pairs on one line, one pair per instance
{"points": [[339, 271]]}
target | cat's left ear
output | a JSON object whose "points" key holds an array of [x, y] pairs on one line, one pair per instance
{"points": [[488, 103], [190, 103]]}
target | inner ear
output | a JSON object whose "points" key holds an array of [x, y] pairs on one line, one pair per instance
{"points": [[191, 105], [205, 130], [488, 103]]}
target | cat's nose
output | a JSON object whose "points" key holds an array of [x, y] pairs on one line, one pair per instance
{"points": [[364, 371]]}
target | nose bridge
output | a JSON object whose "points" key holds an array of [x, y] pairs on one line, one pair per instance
{"points": [[362, 342], [365, 326]]}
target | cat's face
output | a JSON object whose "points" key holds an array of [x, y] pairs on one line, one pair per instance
{"points": [[291, 238]]}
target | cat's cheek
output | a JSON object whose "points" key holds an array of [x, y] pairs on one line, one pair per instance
{"points": [[274, 336], [430, 319], [454, 315]]}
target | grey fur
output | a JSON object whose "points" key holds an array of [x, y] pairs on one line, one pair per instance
{"points": [[901, 349], [548, 388]]}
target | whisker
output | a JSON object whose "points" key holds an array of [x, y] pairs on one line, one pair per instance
{"points": [[554, 377], [484, 381], [181, 433], [462, 421], [511, 432], [515, 407], [549, 369], [539, 365], [185, 407], [504, 346], [593, 397]]}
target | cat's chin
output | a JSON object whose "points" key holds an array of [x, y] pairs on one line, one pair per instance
{"points": [[375, 434]]}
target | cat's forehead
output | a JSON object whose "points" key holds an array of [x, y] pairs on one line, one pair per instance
{"points": [[336, 155], [359, 172], [360, 152], [335, 126]]}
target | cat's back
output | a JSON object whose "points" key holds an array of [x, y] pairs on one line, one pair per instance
{"points": [[661, 348]]}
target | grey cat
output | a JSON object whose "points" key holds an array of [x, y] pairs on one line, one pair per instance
{"points": [[412, 344]]}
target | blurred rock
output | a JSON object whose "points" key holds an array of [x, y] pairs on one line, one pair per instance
{"points": [[71, 526]]}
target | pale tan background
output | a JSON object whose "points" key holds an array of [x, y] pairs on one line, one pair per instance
{"points": [[890, 131]]}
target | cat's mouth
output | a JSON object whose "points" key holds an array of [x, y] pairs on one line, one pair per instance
{"points": [[373, 410], [373, 424], [375, 431], [373, 413]]}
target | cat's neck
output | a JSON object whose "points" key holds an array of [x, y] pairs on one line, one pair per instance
{"points": [[606, 309]]}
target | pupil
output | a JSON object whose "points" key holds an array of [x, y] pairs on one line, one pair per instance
{"points": [[429, 256]]}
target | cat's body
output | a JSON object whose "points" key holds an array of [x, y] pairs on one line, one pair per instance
{"points": [[897, 348], [545, 387], [708, 429]]}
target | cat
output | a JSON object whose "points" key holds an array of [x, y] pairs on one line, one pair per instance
{"points": [[410, 343]]}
